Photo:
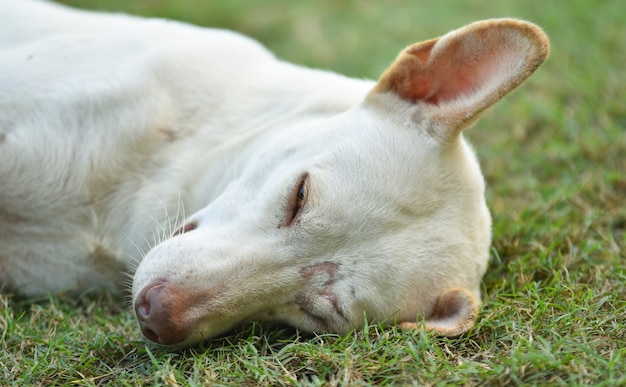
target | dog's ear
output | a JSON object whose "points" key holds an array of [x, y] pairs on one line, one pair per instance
{"points": [[454, 313], [459, 75]]}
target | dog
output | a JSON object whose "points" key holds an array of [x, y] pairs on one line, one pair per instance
{"points": [[235, 187]]}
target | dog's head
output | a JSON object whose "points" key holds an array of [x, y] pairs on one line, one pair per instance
{"points": [[376, 214]]}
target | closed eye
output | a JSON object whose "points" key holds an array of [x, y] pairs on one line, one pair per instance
{"points": [[186, 228], [297, 199]]}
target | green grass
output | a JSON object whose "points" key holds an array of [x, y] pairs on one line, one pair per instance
{"points": [[554, 155]]}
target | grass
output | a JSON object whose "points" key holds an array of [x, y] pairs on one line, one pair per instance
{"points": [[554, 155]]}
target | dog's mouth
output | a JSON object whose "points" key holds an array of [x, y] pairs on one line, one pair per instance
{"points": [[172, 309]]}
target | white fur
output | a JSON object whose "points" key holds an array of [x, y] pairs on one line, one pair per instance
{"points": [[115, 131]]}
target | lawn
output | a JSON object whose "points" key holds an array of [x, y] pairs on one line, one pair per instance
{"points": [[554, 156]]}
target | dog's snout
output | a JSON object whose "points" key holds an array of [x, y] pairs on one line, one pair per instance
{"points": [[155, 307]]}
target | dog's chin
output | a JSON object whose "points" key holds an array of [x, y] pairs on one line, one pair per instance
{"points": [[203, 334], [304, 324]]}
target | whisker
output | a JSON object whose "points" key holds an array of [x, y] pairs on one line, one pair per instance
{"points": [[161, 227]]}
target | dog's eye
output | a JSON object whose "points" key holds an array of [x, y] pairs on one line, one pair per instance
{"points": [[298, 199], [186, 228], [301, 197]]}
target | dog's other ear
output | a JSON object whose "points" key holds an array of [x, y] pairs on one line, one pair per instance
{"points": [[459, 75], [454, 313]]}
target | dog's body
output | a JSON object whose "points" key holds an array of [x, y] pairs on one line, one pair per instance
{"points": [[299, 196]]}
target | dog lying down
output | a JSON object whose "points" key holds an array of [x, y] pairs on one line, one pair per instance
{"points": [[236, 187]]}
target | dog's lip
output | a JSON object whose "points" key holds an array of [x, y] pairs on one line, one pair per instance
{"points": [[334, 301], [320, 321], [331, 321]]}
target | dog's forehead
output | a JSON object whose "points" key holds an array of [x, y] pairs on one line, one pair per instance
{"points": [[379, 150], [361, 138], [361, 153]]}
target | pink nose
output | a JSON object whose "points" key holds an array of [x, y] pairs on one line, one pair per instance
{"points": [[156, 308]]}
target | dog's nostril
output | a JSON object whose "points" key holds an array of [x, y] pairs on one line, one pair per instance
{"points": [[150, 335], [143, 309], [158, 312], [143, 305], [186, 228]]}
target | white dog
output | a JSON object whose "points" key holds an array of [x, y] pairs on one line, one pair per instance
{"points": [[238, 187]]}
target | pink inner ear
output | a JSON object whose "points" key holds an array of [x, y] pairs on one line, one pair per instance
{"points": [[464, 72], [449, 76], [450, 88]]}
